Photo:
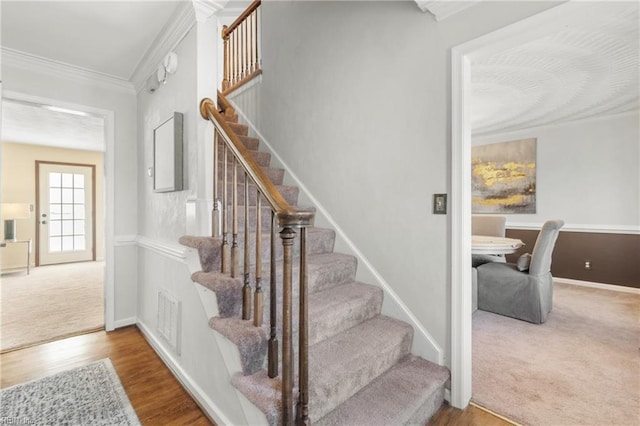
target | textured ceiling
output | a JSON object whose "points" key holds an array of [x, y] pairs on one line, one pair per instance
{"points": [[588, 67], [55, 128]]}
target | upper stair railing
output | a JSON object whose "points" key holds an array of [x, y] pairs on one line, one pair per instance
{"points": [[235, 156], [241, 49]]}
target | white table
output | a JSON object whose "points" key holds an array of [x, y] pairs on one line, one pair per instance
{"points": [[483, 244], [27, 242]]}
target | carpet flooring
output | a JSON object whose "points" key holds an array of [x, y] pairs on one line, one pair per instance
{"points": [[90, 395], [581, 367], [52, 302]]}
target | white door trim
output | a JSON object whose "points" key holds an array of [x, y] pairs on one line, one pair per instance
{"points": [[109, 192]]}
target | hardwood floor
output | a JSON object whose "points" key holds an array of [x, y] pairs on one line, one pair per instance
{"points": [[155, 394]]}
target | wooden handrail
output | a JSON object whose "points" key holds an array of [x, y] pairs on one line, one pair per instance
{"points": [[228, 30], [287, 215]]}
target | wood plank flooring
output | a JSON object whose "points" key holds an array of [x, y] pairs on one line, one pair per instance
{"points": [[155, 394]]}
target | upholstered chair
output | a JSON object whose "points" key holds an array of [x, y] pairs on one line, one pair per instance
{"points": [[492, 226], [523, 290]]}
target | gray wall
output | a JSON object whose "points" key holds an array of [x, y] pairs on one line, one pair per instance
{"points": [[588, 172], [355, 98]]}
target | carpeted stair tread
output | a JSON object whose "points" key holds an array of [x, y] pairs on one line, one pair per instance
{"points": [[339, 308], [239, 129], [262, 158], [409, 393], [250, 142], [251, 341], [289, 193], [233, 118], [208, 250], [228, 291], [338, 367], [319, 241], [345, 363], [264, 392], [276, 175]]}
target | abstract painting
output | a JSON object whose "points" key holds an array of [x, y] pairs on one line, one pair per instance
{"points": [[503, 177]]}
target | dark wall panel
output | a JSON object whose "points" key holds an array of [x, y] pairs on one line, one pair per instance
{"points": [[615, 258]]}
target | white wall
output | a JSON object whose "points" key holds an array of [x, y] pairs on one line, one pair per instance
{"points": [[39, 79], [355, 99], [162, 263], [588, 172]]}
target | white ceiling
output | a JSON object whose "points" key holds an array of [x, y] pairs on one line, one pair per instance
{"points": [[584, 66], [109, 37]]}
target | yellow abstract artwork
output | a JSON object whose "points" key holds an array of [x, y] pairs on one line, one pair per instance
{"points": [[503, 177]]}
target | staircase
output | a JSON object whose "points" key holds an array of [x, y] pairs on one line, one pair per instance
{"points": [[360, 369]]}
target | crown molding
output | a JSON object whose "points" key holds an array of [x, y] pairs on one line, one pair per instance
{"points": [[205, 9], [170, 35], [443, 9], [22, 60]]}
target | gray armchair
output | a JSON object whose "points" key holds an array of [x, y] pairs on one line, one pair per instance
{"points": [[509, 289]]}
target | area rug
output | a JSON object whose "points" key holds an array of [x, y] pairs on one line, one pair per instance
{"points": [[87, 395], [581, 367], [51, 303]]}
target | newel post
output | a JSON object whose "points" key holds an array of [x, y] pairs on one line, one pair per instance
{"points": [[287, 235]]}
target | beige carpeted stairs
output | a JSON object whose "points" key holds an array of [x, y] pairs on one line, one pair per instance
{"points": [[361, 371]]}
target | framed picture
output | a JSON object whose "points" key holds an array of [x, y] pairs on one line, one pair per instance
{"points": [[167, 155]]}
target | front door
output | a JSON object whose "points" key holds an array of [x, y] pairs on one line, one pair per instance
{"points": [[65, 209]]}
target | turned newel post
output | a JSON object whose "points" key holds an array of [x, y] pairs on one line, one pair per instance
{"points": [[303, 336], [287, 235]]}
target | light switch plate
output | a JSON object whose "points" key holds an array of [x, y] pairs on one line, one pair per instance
{"points": [[439, 203]]}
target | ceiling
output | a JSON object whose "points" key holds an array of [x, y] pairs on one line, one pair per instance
{"points": [[106, 38], [584, 66]]}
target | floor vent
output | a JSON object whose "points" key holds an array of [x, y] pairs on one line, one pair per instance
{"points": [[169, 320]]}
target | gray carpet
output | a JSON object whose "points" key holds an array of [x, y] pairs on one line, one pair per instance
{"points": [[581, 367], [87, 395]]}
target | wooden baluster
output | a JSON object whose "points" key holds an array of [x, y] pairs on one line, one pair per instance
{"points": [[246, 289], [247, 68], [236, 58], [273, 300], [303, 337], [225, 68], [287, 235], [215, 213], [258, 303], [257, 53], [255, 40], [225, 219], [234, 217]]}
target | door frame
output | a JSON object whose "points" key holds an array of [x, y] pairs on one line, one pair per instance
{"points": [[108, 192], [93, 204], [514, 34]]}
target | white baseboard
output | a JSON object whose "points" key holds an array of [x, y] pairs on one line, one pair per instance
{"points": [[611, 287], [124, 322], [196, 392]]}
